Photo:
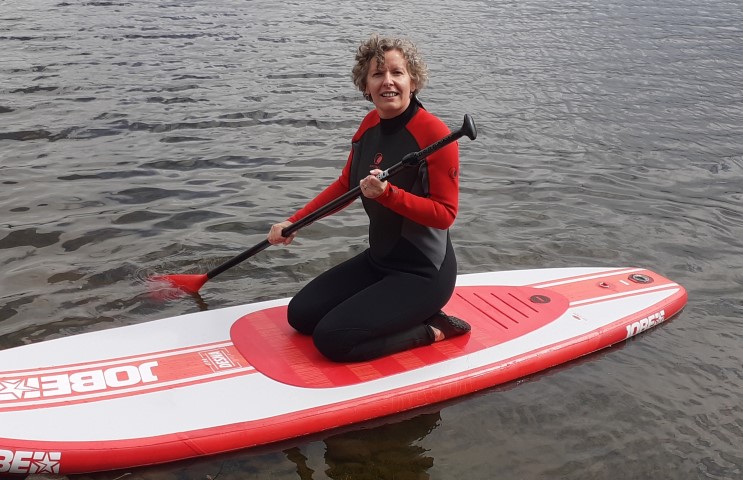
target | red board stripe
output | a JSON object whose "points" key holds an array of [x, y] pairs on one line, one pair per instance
{"points": [[120, 377]]}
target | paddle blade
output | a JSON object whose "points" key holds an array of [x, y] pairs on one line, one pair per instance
{"points": [[187, 283]]}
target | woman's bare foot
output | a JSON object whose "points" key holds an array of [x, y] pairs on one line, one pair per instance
{"points": [[438, 335]]}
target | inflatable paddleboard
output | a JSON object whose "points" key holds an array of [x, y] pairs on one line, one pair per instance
{"points": [[237, 377]]}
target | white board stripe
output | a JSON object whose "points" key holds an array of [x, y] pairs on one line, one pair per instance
{"points": [[590, 277], [670, 286]]}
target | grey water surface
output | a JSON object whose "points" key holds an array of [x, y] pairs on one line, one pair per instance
{"points": [[166, 136]]}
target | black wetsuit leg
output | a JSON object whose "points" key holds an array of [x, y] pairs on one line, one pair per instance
{"points": [[328, 290], [358, 311]]}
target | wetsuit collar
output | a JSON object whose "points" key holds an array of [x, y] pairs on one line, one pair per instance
{"points": [[394, 124]]}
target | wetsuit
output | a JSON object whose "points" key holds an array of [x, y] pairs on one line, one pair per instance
{"points": [[376, 303]]}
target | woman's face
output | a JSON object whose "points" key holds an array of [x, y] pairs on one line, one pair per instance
{"points": [[390, 85]]}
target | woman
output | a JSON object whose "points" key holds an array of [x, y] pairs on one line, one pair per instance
{"points": [[388, 298]]}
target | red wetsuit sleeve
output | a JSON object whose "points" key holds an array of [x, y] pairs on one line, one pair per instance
{"points": [[333, 191], [439, 209]]}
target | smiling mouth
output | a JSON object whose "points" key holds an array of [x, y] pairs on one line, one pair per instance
{"points": [[390, 94]]}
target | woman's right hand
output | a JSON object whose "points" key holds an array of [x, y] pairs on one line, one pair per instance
{"points": [[275, 237]]}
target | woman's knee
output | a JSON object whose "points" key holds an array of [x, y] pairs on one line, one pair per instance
{"points": [[300, 318], [335, 345]]}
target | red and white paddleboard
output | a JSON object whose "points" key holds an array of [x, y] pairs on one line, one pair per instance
{"points": [[221, 380]]}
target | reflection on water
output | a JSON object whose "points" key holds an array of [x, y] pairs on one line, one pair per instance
{"points": [[387, 452], [143, 138]]}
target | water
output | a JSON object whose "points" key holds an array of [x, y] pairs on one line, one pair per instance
{"points": [[166, 136]]}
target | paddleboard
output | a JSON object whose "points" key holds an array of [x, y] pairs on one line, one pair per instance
{"points": [[227, 379]]}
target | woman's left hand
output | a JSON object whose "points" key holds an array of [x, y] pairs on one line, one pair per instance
{"points": [[371, 186]]}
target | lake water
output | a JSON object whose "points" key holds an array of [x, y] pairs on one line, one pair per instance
{"points": [[166, 136]]}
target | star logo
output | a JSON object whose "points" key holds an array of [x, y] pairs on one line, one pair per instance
{"points": [[16, 389], [46, 462]]}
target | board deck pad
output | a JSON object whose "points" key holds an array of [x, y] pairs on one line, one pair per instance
{"points": [[497, 314]]}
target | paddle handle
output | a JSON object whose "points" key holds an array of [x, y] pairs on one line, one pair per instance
{"points": [[411, 159], [414, 158]]}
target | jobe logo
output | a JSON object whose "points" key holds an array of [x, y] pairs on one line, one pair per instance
{"points": [[79, 382], [29, 462], [647, 322]]}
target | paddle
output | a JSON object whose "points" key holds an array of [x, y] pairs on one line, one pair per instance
{"points": [[193, 282]]}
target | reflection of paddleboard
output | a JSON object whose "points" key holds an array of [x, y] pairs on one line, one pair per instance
{"points": [[226, 379]]}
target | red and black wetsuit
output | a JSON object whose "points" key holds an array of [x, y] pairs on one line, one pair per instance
{"points": [[376, 303]]}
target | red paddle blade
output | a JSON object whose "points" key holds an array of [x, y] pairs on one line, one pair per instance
{"points": [[187, 283]]}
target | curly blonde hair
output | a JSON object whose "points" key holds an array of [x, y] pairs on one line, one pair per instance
{"points": [[375, 47]]}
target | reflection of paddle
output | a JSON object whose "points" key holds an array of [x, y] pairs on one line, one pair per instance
{"points": [[192, 283]]}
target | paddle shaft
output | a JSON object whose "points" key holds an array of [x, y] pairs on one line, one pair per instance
{"points": [[411, 159]]}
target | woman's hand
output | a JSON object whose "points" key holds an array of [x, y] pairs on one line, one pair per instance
{"points": [[275, 237], [371, 186]]}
